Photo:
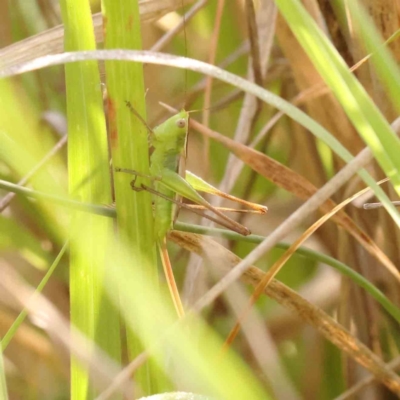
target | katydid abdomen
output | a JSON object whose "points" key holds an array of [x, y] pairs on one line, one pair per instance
{"points": [[169, 141]]}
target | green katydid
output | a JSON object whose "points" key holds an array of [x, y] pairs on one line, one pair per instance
{"points": [[169, 143]]}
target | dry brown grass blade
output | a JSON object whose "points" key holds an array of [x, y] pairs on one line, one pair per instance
{"points": [[209, 82], [251, 107], [330, 329], [254, 42], [278, 265], [295, 184], [52, 40]]}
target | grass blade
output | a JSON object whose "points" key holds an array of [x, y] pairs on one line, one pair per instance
{"points": [[129, 147], [89, 180]]}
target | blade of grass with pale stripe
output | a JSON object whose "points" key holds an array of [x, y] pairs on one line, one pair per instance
{"points": [[194, 65], [129, 147], [89, 180]]}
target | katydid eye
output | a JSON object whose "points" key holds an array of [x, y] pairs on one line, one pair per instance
{"points": [[181, 123]]}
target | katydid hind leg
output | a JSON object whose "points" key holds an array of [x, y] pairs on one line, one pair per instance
{"points": [[196, 209], [169, 276], [201, 185], [179, 185]]}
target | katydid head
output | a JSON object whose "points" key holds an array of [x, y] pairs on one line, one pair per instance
{"points": [[173, 129], [170, 141]]}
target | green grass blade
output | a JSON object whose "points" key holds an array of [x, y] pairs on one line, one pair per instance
{"points": [[89, 180], [128, 138], [268, 97]]}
